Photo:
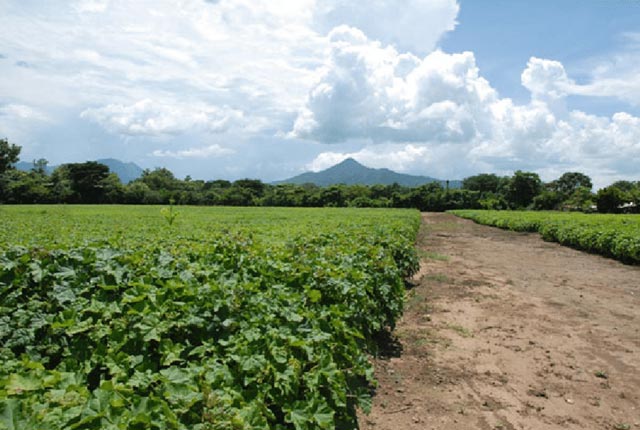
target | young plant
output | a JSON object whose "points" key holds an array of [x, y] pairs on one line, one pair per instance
{"points": [[169, 214]]}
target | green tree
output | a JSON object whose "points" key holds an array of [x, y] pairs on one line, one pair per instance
{"points": [[625, 186], [333, 196], [112, 188], [570, 182], [484, 183], [9, 155], [609, 199], [582, 199], [160, 179], [255, 186], [87, 181], [27, 187], [548, 200], [61, 191], [40, 166], [523, 188], [136, 192]]}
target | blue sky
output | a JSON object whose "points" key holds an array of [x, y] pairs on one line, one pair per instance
{"points": [[262, 89]]}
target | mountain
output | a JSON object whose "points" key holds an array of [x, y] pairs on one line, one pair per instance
{"points": [[350, 172], [127, 172], [25, 166]]}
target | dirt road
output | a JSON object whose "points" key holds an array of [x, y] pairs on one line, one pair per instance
{"points": [[506, 331]]}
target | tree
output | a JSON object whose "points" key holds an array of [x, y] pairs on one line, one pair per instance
{"points": [[624, 186], [254, 186], [27, 187], [582, 199], [609, 199], [523, 188], [9, 155], [548, 200], [570, 182], [160, 179], [112, 189], [87, 181], [40, 166], [61, 185], [136, 192], [484, 183]]}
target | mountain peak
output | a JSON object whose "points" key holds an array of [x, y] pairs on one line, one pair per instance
{"points": [[351, 172], [348, 161]]}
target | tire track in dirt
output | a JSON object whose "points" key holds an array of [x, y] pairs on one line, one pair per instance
{"points": [[506, 331]]}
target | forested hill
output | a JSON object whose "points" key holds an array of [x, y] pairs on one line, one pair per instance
{"points": [[127, 172], [350, 172]]}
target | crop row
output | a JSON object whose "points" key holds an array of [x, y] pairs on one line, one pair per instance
{"points": [[616, 236], [219, 333]]}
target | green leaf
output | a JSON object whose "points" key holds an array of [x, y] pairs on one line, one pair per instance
{"points": [[18, 384], [323, 416], [300, 419], [314, 296], [10, 415]]}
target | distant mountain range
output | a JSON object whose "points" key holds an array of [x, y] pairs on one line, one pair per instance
{"points": [[350, 172], [127, 172]]}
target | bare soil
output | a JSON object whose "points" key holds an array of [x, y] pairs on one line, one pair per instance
{"points": [[505, 331]]}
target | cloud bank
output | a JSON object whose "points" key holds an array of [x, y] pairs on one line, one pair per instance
{"points": [[151, 118], [373, 93], [155, 79]]}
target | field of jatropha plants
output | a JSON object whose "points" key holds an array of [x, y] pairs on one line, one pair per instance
{"points": [[616, 236], [120, 317]]}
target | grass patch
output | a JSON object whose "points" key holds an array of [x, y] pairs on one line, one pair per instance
{"points": [[438, 277], [601, 374], [433, 255], [462, 331]]}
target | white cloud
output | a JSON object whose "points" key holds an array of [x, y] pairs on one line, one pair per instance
{"points": [[151, 118], [371, 91], [22, 112], [615, 74], [211, 151], [17, 122], [546, 79], [414, 25], [441, 103], [92, 6], [397, 157], [255, 70]]}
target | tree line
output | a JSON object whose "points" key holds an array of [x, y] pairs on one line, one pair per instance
{"points": [[93, 183]]}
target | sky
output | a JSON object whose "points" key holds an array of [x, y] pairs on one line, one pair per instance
{"points": [[230, 89]]}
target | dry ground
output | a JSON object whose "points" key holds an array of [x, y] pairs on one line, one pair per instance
{"points": [[506, 331]]}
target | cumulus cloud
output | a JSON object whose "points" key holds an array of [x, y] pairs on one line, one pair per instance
{"points": [[147, 117], [413, 25], [370, 90], [396, 157], [546, 79], [211, 151], [367, 91], [334, 71]]}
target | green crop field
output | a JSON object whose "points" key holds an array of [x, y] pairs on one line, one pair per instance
{"points": [[121, 317], [616, 236]]}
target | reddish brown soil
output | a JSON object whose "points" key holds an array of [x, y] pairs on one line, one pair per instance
{"points": [[506, 331]]}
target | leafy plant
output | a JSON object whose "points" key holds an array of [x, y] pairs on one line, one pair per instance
{"points": [[200, 330], [169, 214], [616, 236]]}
